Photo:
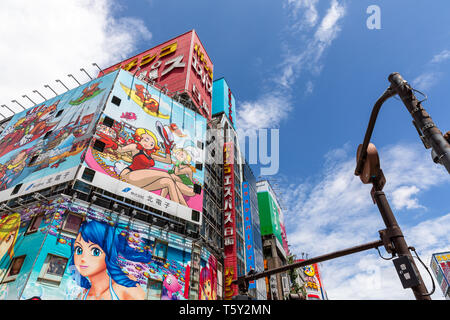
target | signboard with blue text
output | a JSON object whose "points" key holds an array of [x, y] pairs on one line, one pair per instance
{"points": [[248, 232]]}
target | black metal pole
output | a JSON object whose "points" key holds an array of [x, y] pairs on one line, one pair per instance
{"points": [[432, 134], [396, 236], [325, 257], [373, 117]]}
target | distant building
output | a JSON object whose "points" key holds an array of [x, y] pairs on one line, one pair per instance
{"points": [[275, 254], [440, 264]]}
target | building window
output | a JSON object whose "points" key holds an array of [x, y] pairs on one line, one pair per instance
{"points": [[14, 269], [88, 174], [35, 224], [154, 289], [16, 189], [116, 100], [160, 250], [53, 269], [107, 121], [99, 145], [195, 215], [72, 223]]}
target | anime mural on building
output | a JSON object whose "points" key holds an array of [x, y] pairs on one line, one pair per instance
{"points": [[104, 259], [150, 141], [208, 280], [43, 140]]}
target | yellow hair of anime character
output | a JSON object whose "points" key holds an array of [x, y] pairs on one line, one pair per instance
{"points": [[8, 225], [188, 156], [140, 131]]}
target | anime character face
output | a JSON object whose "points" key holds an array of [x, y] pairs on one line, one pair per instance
{"points": [[181, 155], [147, 141], [207, 288], [89, 258]]}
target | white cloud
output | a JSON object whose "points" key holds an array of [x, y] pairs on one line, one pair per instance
{"points": [[309, 58], [304, 13], [273, 107], [432, 75], [267, 112], [442, 56], [329, 27], [426, 80], [41, 41], [336, 212], [402, 198]]}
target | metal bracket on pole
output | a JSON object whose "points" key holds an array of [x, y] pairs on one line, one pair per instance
{"points": [[387, 235]]}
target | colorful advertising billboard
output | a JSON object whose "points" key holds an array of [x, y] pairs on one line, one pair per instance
{"points": [[248, 232], [313, 284], [229, 223], [440, 264], [43, 145], [223, 100], [150, 147], [180, 64], [269, 212], [51, 252]]}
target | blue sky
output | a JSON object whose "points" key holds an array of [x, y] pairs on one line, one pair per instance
{"points": [[310, 68]]}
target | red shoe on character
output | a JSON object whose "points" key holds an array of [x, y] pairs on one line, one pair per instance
{"points": [[166, 136]]}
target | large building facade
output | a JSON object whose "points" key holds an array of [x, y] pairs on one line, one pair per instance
{"points": [[117, 164], [136, 175]]}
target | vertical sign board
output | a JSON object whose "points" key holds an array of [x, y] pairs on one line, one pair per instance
{"points": [[180, 64], [199, 82], [229, 221], [440, 264], [248, 232], [223, 100]]}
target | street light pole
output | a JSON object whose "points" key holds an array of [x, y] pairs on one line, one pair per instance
{"points": [[429, 133]]}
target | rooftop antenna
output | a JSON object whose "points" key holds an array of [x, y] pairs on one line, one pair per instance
{"points": [[25, 96], [18, 104], [47, 86], [94, 64], [35, 91], [71, 75], [57, 80], [4, 105], [82, 69]]}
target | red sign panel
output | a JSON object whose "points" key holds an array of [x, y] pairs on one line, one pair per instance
{"points": [[229, 221], [181, 65]]}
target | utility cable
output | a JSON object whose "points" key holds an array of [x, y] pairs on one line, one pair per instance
{"points": [[379, 253], [426, 268]]}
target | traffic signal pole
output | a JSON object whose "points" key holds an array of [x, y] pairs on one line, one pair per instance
{"points": [[429, 133], [369, 170], [244, 280]]}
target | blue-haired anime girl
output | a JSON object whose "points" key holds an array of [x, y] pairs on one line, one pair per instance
{"points": [[95, 254]]}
